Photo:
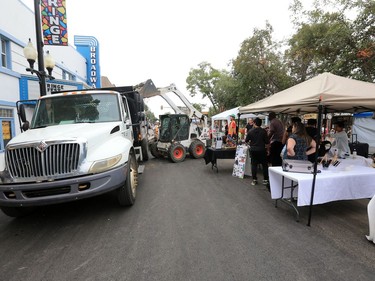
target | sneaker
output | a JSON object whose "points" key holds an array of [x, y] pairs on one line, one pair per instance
{"points": [[265, 182], [254, 182]]}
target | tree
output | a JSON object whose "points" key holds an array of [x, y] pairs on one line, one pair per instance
{"points": [[202, 80], [198, 106], [150, 115], [226, 92], [331, 42], [364, 36], [259, 68]]}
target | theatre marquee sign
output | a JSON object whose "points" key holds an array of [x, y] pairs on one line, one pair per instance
{"points": [[88, 46]]}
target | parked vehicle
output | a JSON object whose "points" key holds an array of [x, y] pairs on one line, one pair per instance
{"points": [[79, 144]]}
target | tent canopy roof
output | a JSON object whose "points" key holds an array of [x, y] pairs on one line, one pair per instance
{"points": [[335, 93], [225, 114]]}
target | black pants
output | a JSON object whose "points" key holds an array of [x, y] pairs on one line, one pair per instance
{"points": [[259, 157], [275, 151]]}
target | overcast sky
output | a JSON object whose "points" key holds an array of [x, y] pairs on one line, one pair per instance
{"points": [[164, 39]]}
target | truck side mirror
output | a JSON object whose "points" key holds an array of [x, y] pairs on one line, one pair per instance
{"points": [[22, 113], [128, 123], [25, 126]]}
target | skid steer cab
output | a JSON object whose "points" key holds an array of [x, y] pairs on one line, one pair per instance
{"points": [[178, 136]]}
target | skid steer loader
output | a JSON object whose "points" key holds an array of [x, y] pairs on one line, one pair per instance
{"points": [[180, 133]]}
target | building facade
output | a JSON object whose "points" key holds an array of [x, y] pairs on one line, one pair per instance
{"points": [[76, 67]]}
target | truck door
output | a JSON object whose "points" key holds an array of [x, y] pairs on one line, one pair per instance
{"points": [[127, 128]]}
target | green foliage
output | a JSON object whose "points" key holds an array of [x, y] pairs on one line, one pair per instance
{"points": [[336, 36], [149, 115], [202, 80], [331, 42], [198, 106], [259, 68]]}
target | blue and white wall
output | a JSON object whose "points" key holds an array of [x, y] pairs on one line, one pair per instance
{"points": [[75, 68]]}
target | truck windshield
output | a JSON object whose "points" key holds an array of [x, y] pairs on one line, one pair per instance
{"points": [[80, 108]]}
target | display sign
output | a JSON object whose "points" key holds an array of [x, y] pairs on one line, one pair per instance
{"points": [[242, 164], [54, 23], [88, 47]]}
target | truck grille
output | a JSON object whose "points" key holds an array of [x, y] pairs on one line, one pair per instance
{"points": [[56, 159]]}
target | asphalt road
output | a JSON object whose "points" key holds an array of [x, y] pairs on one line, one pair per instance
{"points": [[188, 223]]}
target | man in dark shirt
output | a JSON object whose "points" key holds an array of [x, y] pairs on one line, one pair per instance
{"points": [[275, 134], [312, 131], [258, 140]]}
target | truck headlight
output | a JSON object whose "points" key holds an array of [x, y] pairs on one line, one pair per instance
{"points": [[104, 164]]}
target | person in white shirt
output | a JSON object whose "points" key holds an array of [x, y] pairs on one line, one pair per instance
{"points": [[341, 140]]}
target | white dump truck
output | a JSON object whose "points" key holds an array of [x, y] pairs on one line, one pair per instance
{"points": [[78, 144]]}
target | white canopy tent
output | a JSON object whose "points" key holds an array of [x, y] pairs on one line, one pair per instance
{"points": [[334, 93], [225, 115], [325, 92]]}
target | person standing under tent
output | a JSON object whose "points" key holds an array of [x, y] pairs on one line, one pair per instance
{"points": [[340, 139], [259, 142], [299, 144], [232, 127], [249, 125], [275, 134], [312, 131]]}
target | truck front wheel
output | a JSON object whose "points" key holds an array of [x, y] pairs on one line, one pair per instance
{"points": [[126, 194], [17, 212]]}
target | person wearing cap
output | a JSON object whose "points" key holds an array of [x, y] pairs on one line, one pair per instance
{"points": [[232, 127], [275, 134]]}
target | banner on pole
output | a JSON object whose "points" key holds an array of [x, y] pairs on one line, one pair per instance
{"points": [[54, 24]]}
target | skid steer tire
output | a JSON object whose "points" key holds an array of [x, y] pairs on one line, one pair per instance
{"points": [[197, 149], [177, 153], [144, 146], [127, 193], [154, 150]]}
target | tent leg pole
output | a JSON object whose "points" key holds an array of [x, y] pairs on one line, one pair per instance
{"points": [[317, 140]]}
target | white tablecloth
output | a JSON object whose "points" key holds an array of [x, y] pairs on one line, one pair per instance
{"points": [[352, 179]]}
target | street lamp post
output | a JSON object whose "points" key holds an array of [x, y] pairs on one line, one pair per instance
{"points": [[31, 54]]}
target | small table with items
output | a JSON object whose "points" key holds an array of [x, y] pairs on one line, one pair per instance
{"points": [[212, 154], [352, 179]]}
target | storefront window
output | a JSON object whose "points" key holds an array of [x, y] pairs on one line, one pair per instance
{"points": [[5, 112], [6, 118], [7, 132], [3, 53]]}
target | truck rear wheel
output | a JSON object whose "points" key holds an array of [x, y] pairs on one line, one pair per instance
{"points": [[177, 153], [197, 149], [17, 212], [154, 150], [144, 146], [127, 193]]}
